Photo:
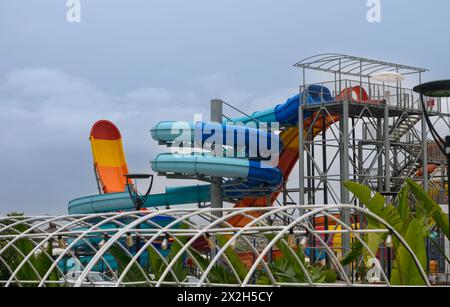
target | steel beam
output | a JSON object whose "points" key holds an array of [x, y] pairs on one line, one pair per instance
{"points": [[216, 185], [345, 176]]}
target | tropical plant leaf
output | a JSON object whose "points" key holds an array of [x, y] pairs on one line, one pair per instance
{"points": [[178, 243], [357, 251], [234, 259], [403, 207], [42, 262], [217, 274], [405, 271], [155, 264], [376, 203], [123, 259], [289, 259], [330, 276], [431, 207]]}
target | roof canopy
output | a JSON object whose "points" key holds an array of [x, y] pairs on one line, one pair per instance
{"points": [[354, 66]]}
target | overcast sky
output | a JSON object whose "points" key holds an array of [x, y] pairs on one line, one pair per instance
{"points": [[136, 62]]}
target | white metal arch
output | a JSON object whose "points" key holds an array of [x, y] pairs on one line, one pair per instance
{"points": [[201, 223]]}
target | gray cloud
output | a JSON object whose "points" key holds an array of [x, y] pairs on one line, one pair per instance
{"points": [[46, 116], [138, 62]]}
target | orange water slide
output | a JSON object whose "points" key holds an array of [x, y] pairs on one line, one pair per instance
{"points": [[430, 169], [288, 159], [109, 158]]}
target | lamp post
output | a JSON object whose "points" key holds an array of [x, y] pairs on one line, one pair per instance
{"points": [[437, 89], [138, 200]]}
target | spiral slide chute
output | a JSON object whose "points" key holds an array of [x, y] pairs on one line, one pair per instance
{"points": [[251, 174], [252, 171], [121, 201], [287, 113], [241, 138]]}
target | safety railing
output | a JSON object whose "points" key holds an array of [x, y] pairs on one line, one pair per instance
{"points": [[395, 96]]}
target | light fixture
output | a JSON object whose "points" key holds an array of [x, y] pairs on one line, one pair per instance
{"points": [[129, 240], [61, 242], [389, 241], [209, 240], [233, 243], [103, 241], [165, 242], [51, 228], [439, 89], [304, 241], [291, 238]]}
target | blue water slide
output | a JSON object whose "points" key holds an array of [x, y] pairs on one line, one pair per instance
{"points": [[121, 201], [249, 174], [253, 174], [287, 113], [255, 171], [200, 134]]}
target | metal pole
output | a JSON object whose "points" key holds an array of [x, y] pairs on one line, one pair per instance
{"points": [[285, 220], [301, 158], [139, 206], [216, 184], [308, 176], [311, 200], [325, 183], [424, 152], [344, 165], [380, 156], [447, 151], [387, 156], [389, 261]]}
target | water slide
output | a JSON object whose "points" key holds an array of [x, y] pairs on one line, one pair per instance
{"points": [[241, 174]]}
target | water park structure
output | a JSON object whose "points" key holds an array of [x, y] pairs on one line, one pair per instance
{"points": [[363, 127]]}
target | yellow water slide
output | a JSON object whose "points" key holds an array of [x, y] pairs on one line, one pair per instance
{"points": [[109, 158]]}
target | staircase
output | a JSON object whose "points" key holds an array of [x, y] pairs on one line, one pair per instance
{"points": [[403, 125]]}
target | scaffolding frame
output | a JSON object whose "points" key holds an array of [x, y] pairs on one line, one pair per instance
{"points": [[380, 140]]}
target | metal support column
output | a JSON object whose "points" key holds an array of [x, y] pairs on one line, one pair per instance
{"points": [[216, 185], [345, 174], [324, 179], [387, 154], [301, 157], [380, 156], [424, 152]]}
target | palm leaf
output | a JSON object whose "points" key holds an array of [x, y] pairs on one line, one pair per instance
{"points": [[405, 271], [431, 207]]}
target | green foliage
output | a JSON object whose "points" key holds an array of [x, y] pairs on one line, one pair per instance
{"points": [[405, 271], [413, 227], [357, 249], [155, 266], [376, 203], [429, 205], [221, 273], [288, 267], [123, 259], [285, 269], [234, 259], [35, 267]]}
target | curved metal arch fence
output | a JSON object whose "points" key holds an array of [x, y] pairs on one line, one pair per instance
{"points": [[188, 250]]}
